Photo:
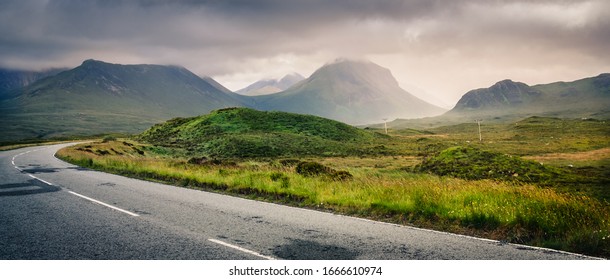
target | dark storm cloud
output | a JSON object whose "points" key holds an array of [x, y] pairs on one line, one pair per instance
{"points": [[35, 27], [221, 37]]}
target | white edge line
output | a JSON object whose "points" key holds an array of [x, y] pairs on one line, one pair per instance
{"points": [[41, 180], [104, 204], [79, 195], [44, 182], [240, 249], [421, 229]]}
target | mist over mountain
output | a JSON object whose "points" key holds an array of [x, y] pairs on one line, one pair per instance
{"points": [[98, 97], [14, 79], [269, 86], [353, 92]]}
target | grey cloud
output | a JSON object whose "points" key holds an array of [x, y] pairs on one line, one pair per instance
{"points": [[215, 36]]}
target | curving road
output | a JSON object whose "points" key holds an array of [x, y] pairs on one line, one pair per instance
{"points": [[50, 209]]}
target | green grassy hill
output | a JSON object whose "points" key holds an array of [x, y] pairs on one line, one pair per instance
{"points": [[241, 132]]}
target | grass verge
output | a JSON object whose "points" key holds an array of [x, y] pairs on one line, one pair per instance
{"points": [[502, 210]]}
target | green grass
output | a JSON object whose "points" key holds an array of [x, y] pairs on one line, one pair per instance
{"points": [[510, 211], [247, 133], [538, 181], [475, 164], [530, 136]]}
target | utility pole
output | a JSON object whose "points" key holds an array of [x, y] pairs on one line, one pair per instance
{"points": [[479, 124], [385, 125]]}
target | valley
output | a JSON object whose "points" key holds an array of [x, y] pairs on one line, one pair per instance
{"points": [[512, 186], [534, 172]]}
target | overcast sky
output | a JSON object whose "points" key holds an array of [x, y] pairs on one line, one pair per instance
{"points": [[436, 49]]}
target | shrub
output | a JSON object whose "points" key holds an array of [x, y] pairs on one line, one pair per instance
{"points": [[108, 138], [289, 162], [312, 168], [197, 160], [474, 164], [282, 178], [102, 152], [210, 162], [276, 176], [138, 151], [341, 175]]}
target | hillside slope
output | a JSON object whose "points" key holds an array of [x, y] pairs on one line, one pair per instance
{"points": [[99, 97], [353, 92], [589, 97], [15, 79], [508, 101], [242, 132]]}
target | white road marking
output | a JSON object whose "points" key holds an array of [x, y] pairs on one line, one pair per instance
{"points": [[104, 204], [241, 249], [18, 155], [77, 194], [41, 180]]}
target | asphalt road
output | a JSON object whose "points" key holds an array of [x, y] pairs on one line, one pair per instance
{"points": [[50, 209]]}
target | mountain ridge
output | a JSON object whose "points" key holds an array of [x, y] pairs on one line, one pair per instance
{"points": [[353, 92], [11, 79], [99, 97], [580, 98], [507, 100]]}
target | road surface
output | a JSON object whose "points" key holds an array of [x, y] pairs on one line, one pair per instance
{"points": [[50, 209]]}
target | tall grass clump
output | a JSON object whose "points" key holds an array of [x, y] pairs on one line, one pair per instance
{"points": [[475, 164]]}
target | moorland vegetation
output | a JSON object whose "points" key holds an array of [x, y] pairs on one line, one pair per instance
{"points": [[538, 181]]}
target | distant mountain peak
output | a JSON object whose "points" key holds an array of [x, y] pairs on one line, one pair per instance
{"points": [[345, 60], [501, 94], [98, 97], [93, 62], [351, 91], [270, 86], [581, 98]]}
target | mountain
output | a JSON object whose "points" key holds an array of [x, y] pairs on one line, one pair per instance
{"points": [[353, 92], [243, 132], [264, 87], [14, 79], [589, 97], [509, 101], [501, 95], [99, 97]]}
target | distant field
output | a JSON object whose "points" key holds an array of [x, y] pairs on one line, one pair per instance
{"points": [[545, 182]]}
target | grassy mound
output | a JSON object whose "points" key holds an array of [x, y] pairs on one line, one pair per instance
{"points": [[475, 164], [245, 133]]}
